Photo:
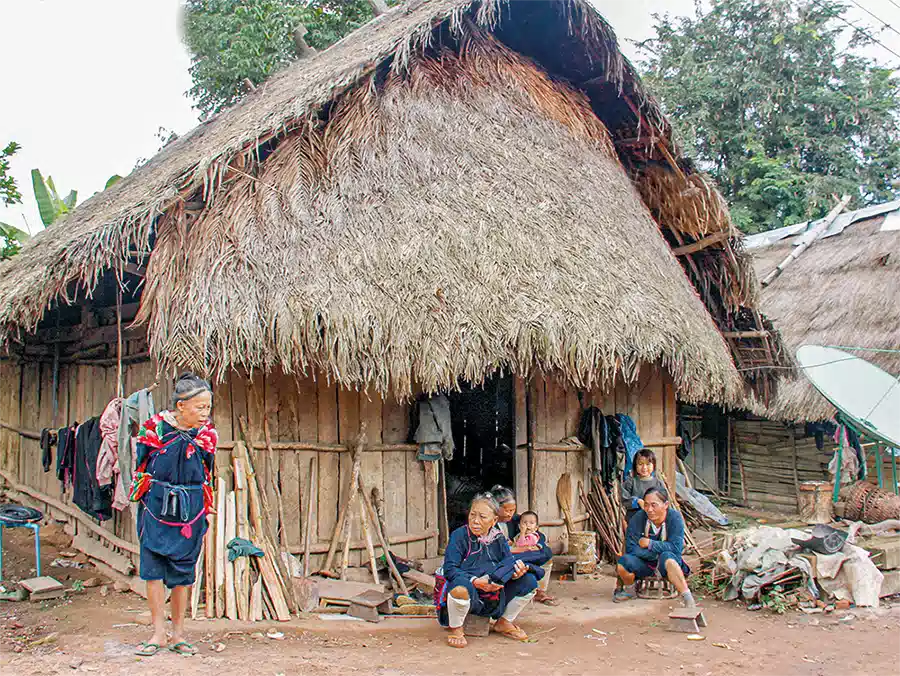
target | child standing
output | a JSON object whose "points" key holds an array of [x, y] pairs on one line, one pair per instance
{"points": [[643, 478], [528, 532]]}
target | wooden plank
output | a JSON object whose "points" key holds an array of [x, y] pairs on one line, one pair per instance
{"points": [[415, 503], [372, 466], [230, 533], [395, 424], [329, 463], [556, 428], [543, 490], [281, 390], [520, 478], [348, 429], [222, 413]]}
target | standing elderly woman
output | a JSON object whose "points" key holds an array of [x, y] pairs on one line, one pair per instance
{"points": [[175, 456], [539, 555], [482, 577]]}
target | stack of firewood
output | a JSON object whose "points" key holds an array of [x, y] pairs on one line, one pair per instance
{"points": [[608, 517], [249, 588]]}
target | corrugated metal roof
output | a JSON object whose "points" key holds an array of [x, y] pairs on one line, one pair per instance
{"points": [[840, 223]]}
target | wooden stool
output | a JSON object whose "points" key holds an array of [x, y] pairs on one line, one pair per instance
{"points": [[687, 620], [369, 604], [476, 625], [567, 561], [655, 587]]}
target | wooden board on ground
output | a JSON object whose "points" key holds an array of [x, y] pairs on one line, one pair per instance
{"points": [[344, 590], [43, 588], [422, 579]]}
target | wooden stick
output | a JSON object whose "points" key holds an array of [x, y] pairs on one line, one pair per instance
{"points": [[381, 538], [220, 547], [210, 573], [260, 533], [256, 600], [241, 564], [378, 503], [307, 522], [348, 530], [364, 524], [259, 519], [198, 577], [230, 523], [342, 515], [273, 481]]}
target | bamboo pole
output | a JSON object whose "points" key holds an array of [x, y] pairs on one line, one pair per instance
{"points": [[220, 546], [382, 539]]}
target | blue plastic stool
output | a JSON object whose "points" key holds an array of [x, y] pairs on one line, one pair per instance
{"points": [[36, 529]]}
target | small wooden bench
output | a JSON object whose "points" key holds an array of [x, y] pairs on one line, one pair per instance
{"points": [[687, 620], [371, 605]]}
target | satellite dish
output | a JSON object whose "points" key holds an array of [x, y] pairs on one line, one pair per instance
{"points": [[868, 397]]}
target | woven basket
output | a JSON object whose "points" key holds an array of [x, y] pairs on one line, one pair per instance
{"points": [[870, 504]]}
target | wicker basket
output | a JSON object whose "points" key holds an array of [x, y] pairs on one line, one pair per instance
{"points": [[870, 504]]}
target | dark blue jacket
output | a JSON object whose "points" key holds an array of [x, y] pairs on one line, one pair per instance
{"points": [[466, 557], [674, 542]]}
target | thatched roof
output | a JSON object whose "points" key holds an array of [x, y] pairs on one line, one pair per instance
{"points": [[418, 203], [842, 291]]}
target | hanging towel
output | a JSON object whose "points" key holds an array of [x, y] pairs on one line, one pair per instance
{"points": [[108, 458], [434, 434], [136, 410], [631, 439], [47, 441]]}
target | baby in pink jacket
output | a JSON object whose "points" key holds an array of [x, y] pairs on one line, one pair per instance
{"points": [[528, 531]]}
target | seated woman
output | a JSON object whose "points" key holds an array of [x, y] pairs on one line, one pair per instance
{"points": [[654, 544], [538, 555], [482, 577]]}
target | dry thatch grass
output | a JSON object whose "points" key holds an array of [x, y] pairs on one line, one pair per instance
{"points": [[841, 291], [464, 214], [470, 215]]}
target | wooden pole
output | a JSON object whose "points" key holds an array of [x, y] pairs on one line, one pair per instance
{"points": [[382, 538], [220, 547], [307, 521], [530, 428], [794, 463], [809, 239], [351, 492], [273, 481], [230, 594], [364, 524]]}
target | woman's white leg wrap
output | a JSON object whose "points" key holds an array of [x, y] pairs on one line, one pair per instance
{"points": [[457, 609], [516, 605]]}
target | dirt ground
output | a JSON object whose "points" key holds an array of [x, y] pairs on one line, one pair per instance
{"points": [[95, 631]]}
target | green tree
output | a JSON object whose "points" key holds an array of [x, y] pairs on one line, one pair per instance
{"points": [[773, 98], [10, 236], [236, 40]]}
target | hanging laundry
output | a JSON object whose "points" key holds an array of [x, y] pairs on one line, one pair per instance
{"points": [[87, 493], [65, 455], [600, 433], [48, 438], [434, 434], [630, 438], [137, 409], [108, 474]]}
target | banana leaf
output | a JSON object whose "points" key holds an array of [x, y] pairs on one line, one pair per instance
{"points": [[115, 178], [12, 232], [46, 206], [70, 199]]}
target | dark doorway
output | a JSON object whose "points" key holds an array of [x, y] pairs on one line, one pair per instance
{"points": [[484, 436]]}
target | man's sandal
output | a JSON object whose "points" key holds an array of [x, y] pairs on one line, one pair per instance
{"points": [[146, 649], [183, 648]]}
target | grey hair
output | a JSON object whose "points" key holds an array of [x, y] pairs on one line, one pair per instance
{"points": [[488, 498], [188, 386], [502, 494]]}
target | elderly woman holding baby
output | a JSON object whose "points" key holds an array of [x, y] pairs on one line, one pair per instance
{"points": [[480, 575]]}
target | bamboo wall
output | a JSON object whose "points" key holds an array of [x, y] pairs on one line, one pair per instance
{"points": [[763, 466]]}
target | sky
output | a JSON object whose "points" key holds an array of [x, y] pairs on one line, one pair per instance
{"points": [[89, 83]]}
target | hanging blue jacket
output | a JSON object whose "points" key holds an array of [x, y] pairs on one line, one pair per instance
{"points": [[632, 441]]}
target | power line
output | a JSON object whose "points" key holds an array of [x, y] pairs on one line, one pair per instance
{"points": [[857, 29], [894, 4], [875, 16]]}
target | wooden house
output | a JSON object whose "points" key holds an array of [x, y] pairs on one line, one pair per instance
{"points": [[477, 198], [842, 291]]}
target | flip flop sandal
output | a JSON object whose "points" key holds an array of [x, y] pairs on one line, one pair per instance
{"points": [[457, 641], [516, 634], [183, 648], [147, 649]]}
